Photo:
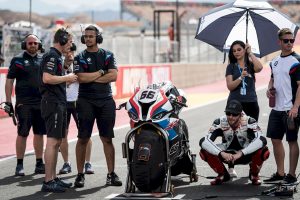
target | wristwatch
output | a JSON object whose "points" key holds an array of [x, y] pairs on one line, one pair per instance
{"points": [[101, 72], [240, 78]]}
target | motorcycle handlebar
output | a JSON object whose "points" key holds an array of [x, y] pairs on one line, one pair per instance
{"points": [[178, 103]]}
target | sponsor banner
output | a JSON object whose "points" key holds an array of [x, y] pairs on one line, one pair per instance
{"points": [[130, 77]]}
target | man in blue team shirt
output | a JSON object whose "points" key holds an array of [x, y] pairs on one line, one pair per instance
{"points": [[24, 69], [96, 69], [53, 106]]}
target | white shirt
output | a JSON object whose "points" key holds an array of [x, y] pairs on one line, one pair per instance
{"points": [[281, 68], [72, 91]]}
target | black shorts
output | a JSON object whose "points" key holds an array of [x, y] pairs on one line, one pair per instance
{"points": [[30, 116], [277, 127], [104, 111], [55, 116], [71, 110]]}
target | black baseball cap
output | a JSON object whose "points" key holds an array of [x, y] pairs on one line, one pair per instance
{"points": [[234, 107]]}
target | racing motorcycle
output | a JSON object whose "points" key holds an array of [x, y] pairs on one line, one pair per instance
{"points": [[157, 145]]}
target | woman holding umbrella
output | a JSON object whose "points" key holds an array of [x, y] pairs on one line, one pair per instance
{"points": [[240, 77], [240, 80]]}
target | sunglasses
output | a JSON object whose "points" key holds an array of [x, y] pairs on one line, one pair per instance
{"points": [[285, 41], [233, 114], [32, 43]]}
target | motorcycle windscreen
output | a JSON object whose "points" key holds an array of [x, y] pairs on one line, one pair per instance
{"points": [[149, 159]]}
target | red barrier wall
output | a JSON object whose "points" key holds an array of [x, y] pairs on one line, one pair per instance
{"points": [[129, 77]]}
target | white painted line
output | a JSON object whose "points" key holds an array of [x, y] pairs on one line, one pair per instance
{"points": [[69, 141], [14, 156], [179, 196], [217, 101], [111, 196]]}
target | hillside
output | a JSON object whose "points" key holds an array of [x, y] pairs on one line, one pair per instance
{"points": [[7, 16]]}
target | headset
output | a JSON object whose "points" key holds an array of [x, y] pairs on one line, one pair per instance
{"points": [[63, 37], [99, 38], [73, 47], [23, 43]]}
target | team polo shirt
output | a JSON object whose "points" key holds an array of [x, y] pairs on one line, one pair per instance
{"points": [[25, 69], [285, 73], [52, 63], [236, 72], [87, 62]]}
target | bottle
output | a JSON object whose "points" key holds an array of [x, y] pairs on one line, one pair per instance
{"points": [[272, 98]]}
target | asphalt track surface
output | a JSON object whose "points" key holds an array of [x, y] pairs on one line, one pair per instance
{"points": [[198, 119]]}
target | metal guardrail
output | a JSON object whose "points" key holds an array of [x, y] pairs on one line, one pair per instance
{"points": [[137, 49]]}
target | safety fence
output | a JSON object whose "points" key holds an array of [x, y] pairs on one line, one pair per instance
{"points": [[128, 49]]}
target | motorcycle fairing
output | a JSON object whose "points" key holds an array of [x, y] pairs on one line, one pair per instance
{"points": [[170, 125], [146, 104]]}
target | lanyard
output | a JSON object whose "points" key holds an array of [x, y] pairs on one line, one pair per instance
{"points": [[244, 84]]}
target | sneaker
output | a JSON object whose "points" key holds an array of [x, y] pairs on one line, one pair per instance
{"points": [[88, 168], [112, 179], [275, 178], [62, 183], [220, 179], [255, 179], [66, 168], [232, 173], [52, 186], [289, 180], [19, 170], [79, 181], [39, 169]]}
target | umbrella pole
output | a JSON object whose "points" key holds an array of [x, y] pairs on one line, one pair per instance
{"points": [[247, 18]]}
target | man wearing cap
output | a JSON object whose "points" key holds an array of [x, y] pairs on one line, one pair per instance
{"points": [[242, 143]]}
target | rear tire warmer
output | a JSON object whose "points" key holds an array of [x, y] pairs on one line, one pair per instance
{"points": [[149, 160]]}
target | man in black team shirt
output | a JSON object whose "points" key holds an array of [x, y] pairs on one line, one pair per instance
{"points": [[24, 68], [96, 69], [53, 106]]}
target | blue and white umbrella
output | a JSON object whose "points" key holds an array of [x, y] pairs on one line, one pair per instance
{"points": [[255, 22]]}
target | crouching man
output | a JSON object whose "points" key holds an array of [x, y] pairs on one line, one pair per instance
{"points": [[242, 143]]}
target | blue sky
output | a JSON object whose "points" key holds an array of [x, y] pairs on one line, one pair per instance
{"points": [[51, 6]]}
